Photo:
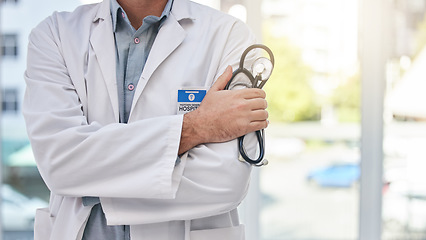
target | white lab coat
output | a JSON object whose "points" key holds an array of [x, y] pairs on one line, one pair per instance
{"points": [[72, 116]]}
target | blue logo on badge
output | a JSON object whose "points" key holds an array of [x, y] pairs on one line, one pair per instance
{"points": [[195, 96]]}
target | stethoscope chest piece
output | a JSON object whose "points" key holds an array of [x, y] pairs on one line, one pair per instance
{"points": [[262, 69]]}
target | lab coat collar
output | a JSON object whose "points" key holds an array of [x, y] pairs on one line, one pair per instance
{"points": [[104, 11], [181, 10], [102, 42]]}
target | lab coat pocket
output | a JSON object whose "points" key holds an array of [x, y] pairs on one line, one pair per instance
{"points": [[43, 224], [230, 233]]}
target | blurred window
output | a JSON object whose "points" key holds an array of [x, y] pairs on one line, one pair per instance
{"points": [[9, 45], [10, 100], [9, 1], [310, 189]]}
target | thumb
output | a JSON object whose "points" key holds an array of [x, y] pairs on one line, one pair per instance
{"points": [[222, 80]]}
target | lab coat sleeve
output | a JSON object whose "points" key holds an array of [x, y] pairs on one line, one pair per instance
{"points": [[214, 181], [77, 158]]}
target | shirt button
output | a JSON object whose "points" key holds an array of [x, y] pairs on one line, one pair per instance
{"points": [[122, 14], [131, 87], [137, 40]]}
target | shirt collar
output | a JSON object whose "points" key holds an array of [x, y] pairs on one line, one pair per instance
{"points": [[166, 11], [116, 10], [115, 7]]}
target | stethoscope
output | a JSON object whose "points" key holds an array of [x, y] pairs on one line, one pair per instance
{"points": [[261, 70]]}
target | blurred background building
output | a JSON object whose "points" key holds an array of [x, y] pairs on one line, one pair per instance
{"points": [[23, 189]]}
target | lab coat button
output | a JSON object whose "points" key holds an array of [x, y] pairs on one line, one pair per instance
{"points": [[131, 87], [137, 40]]}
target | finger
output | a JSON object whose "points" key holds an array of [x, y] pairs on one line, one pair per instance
{"points": [[249, 93], [259, 115], [257, 103], [258, 125], [222, 80]]}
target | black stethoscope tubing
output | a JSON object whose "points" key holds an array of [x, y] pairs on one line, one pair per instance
{"points": [[254, 80]]}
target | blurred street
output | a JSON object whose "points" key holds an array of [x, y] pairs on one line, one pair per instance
{"points": [[295, 208]]}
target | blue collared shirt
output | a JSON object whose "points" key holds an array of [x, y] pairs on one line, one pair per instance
{"points": [[133, 47]]}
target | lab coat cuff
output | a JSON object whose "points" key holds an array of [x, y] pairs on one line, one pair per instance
{"points": [[175, 169]]}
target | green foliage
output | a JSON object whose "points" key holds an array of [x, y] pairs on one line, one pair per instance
{"points": [[290, 97], [346, 99]]}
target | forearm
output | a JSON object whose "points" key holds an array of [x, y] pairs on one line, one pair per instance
{"points": [[189, 136]]}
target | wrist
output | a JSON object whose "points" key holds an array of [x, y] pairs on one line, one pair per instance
{"points": [[190, 135]]}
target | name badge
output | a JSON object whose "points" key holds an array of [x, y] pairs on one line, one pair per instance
{"points": [[189, 99]]}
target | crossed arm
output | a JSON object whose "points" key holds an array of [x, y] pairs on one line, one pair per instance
{"points": [[224, 115]]}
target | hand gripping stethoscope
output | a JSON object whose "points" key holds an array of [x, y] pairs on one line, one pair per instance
{"points": [[261, 70]]}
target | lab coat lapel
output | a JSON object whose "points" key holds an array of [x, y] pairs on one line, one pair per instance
{"points": [[102, 42], [170, 36]]}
